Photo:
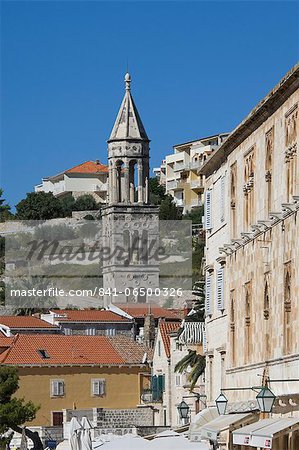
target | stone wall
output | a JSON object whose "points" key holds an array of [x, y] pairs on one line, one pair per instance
{"points": [[121, 418]]}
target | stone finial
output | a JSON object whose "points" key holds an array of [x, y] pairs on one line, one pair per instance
{"points": [[128, 81]]}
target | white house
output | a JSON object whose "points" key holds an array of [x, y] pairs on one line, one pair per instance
{"points": [[90, 177], [169, 388]]}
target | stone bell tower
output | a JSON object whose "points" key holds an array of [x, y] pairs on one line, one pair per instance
{"points": [[130, 223]]}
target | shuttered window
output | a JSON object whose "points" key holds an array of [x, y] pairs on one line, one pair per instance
{"points": [[220, 289], [98, 387], [57, 388], [222, 199], [208, 294], [208, 210], [204, 341]]}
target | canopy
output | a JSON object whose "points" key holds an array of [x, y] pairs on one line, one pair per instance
{"points": [[242, 436], [222, 423], [263, 436]]}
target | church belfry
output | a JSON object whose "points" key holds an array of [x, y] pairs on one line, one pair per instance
{"points": [[128, 155], [130, 223]]}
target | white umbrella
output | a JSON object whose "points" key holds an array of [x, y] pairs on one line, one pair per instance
{"points": [[23, 445], [85, 438], [128, 442], [75, 428], [176, 443]]}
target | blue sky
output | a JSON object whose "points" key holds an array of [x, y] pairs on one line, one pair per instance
{"points": [[197, 69]]}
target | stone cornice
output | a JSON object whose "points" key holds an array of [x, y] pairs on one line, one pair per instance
{"points": [[264, 109]]}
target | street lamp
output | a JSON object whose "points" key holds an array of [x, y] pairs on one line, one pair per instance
{"points": [[183, 410], [221, 403], [265, 399]]}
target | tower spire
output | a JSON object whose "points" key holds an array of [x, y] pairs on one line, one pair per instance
{"points": [[128, 124]]}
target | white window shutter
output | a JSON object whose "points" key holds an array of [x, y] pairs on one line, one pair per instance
{"points": [[98, 387], [208, 210], [57, 388], [95, 387], [60, 388], [220, 289], [222, 199], [204, 341], [208, 294], [102, 387]]}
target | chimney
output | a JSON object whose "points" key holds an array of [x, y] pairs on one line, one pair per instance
{"points": [[149, 331], [97, 161]]}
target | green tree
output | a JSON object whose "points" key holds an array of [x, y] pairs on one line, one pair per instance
{"points": [[85, 203], [168, 209], [5, 213], [195, 215], [196, 362], [14, 412], [156, 191], [39, 206], [67, 204]]}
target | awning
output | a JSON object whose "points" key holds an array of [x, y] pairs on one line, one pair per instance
{"points": [[262, 433], [222, 423], [242, 436]]}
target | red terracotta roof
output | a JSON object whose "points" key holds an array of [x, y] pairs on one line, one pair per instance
{"points": [[60, 350], [87, 315], [165, 329], [139, 311], [89, 167], [24, 322]]}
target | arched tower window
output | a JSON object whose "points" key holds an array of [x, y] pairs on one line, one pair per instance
{"points": [[119, 165]]}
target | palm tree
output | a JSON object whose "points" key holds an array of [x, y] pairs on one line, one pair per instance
{"points": [[196, 362]]}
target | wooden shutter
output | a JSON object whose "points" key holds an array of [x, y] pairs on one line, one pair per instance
{"points": [[208, 210], [208, 296], [220, 289]]}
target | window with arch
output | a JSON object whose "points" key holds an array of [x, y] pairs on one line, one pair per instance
{"points": [[249, 167], [266, 301], [287, 330], [269, 144], [232, 328], [248, 322], [291, 159], [266, 327], [233, 197]]}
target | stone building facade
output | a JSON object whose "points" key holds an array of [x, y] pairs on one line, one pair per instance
{"points": [[256, 287]]}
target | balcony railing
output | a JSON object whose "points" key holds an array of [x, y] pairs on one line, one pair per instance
{"points": [[179, 166], [148, 396], [197, 184], [171, 185], [193, 333]]}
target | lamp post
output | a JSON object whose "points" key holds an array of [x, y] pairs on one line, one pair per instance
{"points": [[221, 403], [183, 410]]}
